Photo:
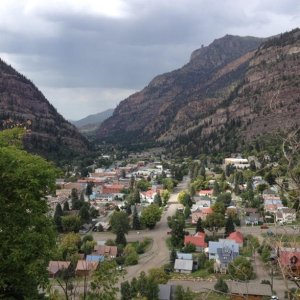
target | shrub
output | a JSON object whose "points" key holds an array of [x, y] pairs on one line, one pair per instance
{"points": [[221, 285]]}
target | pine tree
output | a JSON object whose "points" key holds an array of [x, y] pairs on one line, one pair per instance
{"points": [[216, 189], [229, 226], [89, 189], [66, 206], [173, 256], [136, 225], [199, 226], [57, 217], [157, 200]]}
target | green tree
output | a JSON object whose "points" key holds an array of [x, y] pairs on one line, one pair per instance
{"points": [[214, 222], [120, 225], [126, 291], [27, 234], [89, 189], [216, 189], [221, 285], [165, 194], [69, 245], [150, 216], [104, 281], [57, 217], [185, 199], [136, 225], [66, 206], [189, 248], [241, 269], [76, 202], [168, 184], [143, 185], [187, 212], [131, 256], [71, 223], [157, 200], [229, 226], [199, 226], [173, 256], [84, 214], [177, 224], [158, 275], [181, 294]]}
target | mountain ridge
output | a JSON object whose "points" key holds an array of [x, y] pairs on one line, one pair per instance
{"points": [[224, 85], [22, 104]]}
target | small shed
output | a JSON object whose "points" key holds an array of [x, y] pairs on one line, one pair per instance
{"points": [[183, 266]]}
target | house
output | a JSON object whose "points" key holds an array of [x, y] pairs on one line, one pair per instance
{"points": [[205, 193], [285, 215], [112, 188], [269, 193], [239, 163], [200, 202], [95, 258], [148, 196], [289, 261], [249, 291], [201, 213], [55, 266], [85, 268], [252, 219], [106, 251], [165, 291], [272, 205], [187, 256], [223, 252], [237, 237], [198, 240], [183, 266]]}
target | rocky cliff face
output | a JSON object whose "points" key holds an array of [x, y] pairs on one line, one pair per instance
{"points": [[232, 88], [22, 104]]}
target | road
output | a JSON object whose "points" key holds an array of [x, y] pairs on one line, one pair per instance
{"points": [[158, 254]]}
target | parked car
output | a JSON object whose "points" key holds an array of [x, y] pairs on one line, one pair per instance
{"points": [[264, 226]]}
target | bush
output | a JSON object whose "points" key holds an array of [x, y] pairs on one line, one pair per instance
{"points": [[221, 285], [131, 259], [189, 248]]}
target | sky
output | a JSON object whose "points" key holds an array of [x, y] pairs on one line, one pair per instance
{"points": [[88, 55]]}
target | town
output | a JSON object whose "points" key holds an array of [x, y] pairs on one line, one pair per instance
{"points": [[151, 227]]}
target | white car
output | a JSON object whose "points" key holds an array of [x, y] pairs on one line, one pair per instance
{"points": [[274, 297]]}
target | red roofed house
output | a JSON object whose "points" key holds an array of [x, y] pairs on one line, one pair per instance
{"points": [[84, 268], [198, 240], [289, 261], [112, 188], [205, 193], [148, 196], [203, 213], [55, 266], [237, 237], [107, 251]]}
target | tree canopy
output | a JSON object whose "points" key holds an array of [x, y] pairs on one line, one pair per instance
{"points": [[27, 233]]}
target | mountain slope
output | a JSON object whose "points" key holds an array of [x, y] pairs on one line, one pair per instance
{"points": [[229, 93], [210, 75], [94, 118], [22, 104]]}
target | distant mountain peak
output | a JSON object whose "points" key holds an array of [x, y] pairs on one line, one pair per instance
{"points": [[218, 100]]}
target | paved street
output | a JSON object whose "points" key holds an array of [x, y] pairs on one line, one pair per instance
{"points": [[158, 255]]}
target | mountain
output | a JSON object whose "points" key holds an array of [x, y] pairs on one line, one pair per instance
{"points": [[91, 122], [227, 94], [22, 104]]}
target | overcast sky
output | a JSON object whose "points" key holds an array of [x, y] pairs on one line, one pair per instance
{"points": [[88, 55]]}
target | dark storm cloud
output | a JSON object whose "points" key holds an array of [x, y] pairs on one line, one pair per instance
{"points": [[68, 45]]}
